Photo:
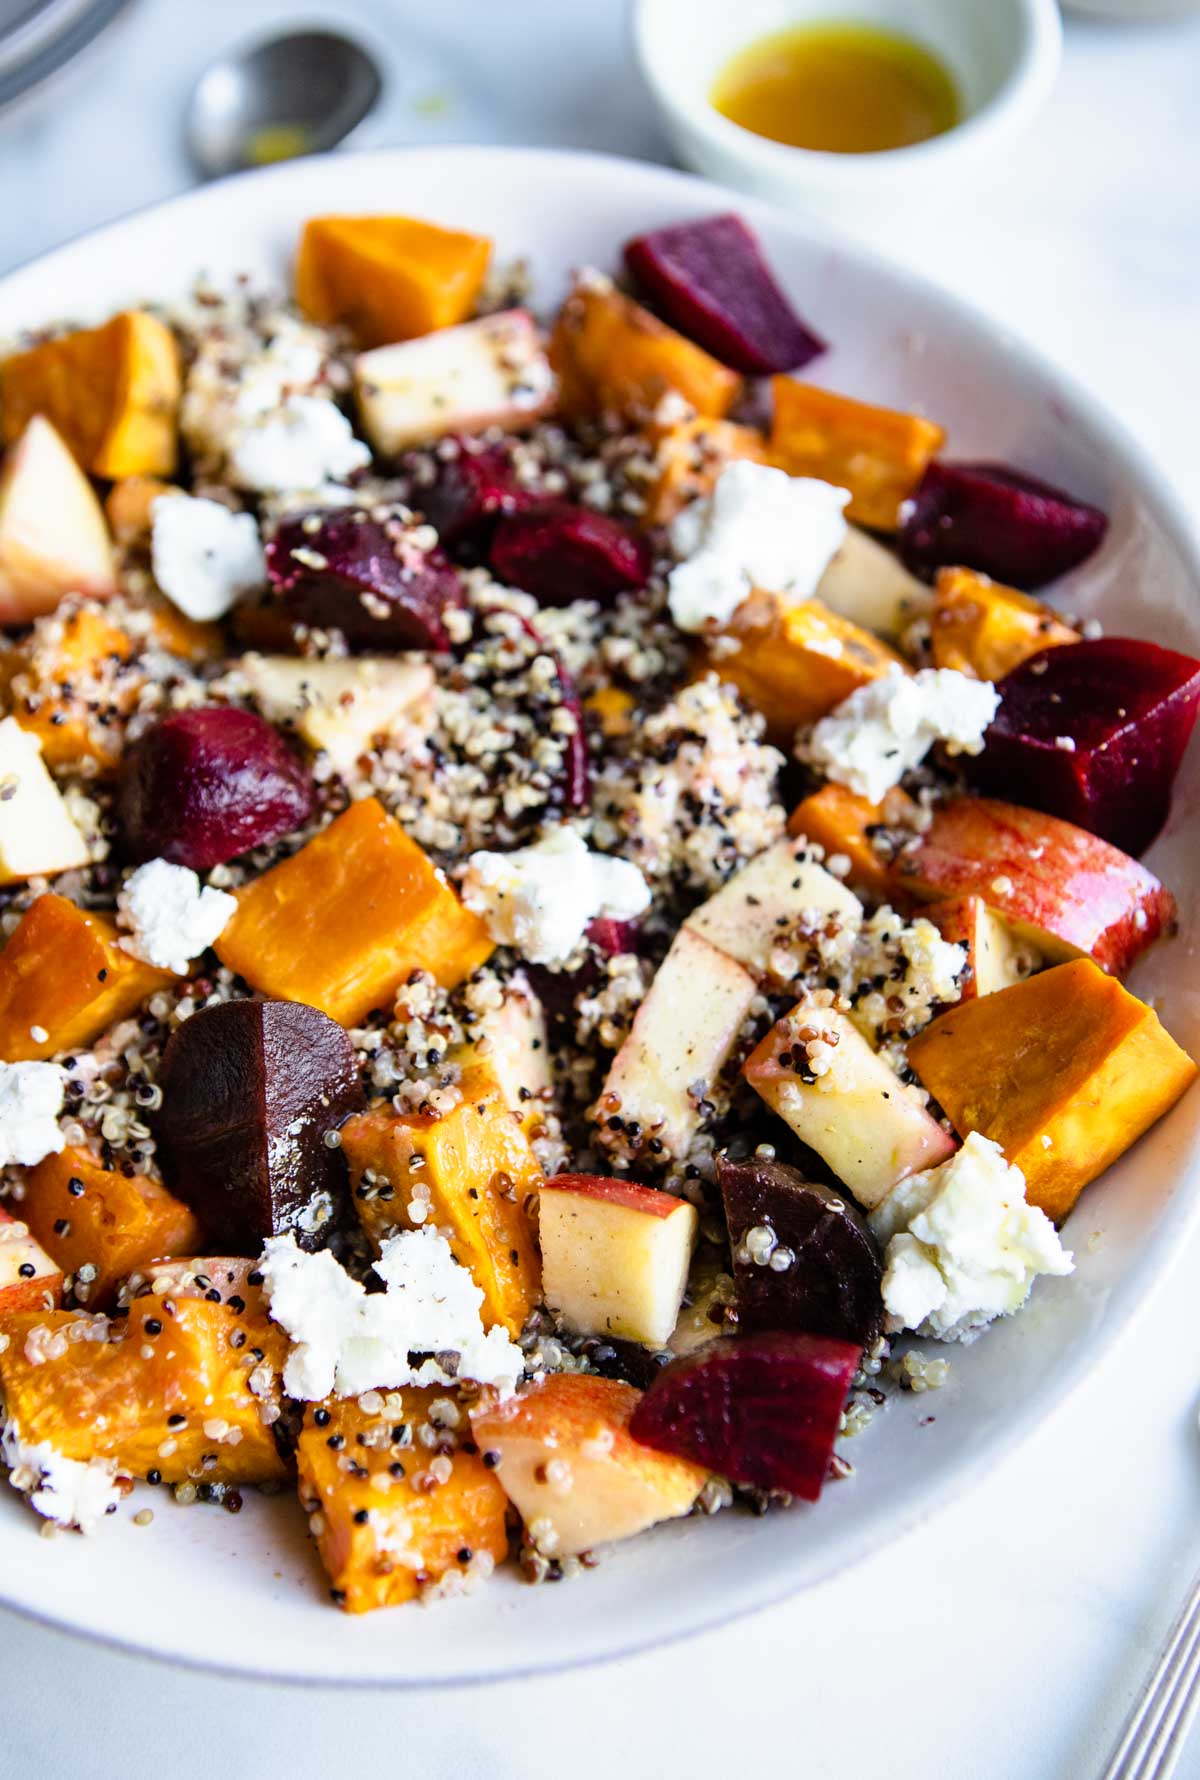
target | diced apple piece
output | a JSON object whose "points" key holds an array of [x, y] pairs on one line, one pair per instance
{"points": [[845, 824], [1063, 1071], [53, 538], [573, 1471], [38, 835], [339, 706], [763, 1410], [385, 1528], [996, 959], [986, 630], [868, 584], [615, 1255], [513, 1039], [682, 1037], [29, 1279], [1059, 888], [768, 913], [817, 1071], [490, 372]]}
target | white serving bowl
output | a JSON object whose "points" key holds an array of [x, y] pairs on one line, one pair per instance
{"points": [[1003, 54], [247, 1594]]}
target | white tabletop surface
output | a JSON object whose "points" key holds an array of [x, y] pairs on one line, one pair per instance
{"points": [[1004, 1640]]}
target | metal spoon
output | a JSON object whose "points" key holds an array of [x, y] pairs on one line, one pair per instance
{"points": [[299, 93]]}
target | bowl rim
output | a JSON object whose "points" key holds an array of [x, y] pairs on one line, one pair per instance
{"points": [[1015, 101], [1181, 1209]]}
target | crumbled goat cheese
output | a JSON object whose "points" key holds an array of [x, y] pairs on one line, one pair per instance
{"points": [[73, 1492], [301, 445], [887, 727], [962, 1245], [760, 528], [171, 917], [204, 557], [540, 899], [346, 1340], [31, 1098]]}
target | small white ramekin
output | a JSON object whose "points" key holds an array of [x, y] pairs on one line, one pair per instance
{"points": [[1004, 55]]}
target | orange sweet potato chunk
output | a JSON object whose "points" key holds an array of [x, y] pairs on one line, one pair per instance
{"points": [[843, 822], [986, 630], [614, 357], [879, 454], [795, 663], [1064, 1071], [68, 697], [176, 1388], [87, 1216], [389, 277], [62, 973], [690, 455], [129, 504], [384, 1528], [344, 921], [112, 392], [473, 1170]]}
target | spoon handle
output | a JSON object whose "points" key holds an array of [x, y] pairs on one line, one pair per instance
{"points": [[1157, 1729]]}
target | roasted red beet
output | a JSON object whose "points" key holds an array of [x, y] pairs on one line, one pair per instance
{"points": [[202, 786], [1094, 733], [249, 1090], [370, 579], [471, 492], [1000, 521], [611, 937], [831, 1284], [757, 1409], [710, 279], [565, 553]]}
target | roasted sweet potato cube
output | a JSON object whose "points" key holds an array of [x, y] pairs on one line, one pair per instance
{"points": [[689, 456], [177, 1387], [1063, 1071], [472, 1174], [112, 392], [220, 1279], [614, 357], [795, 663], [99, 1224], [63, 975], [68, 687], [344, 921], [385, 1528], [844, 823], [29, 1277], [129, 507], [985, 629], [389, 277], [879, 454]]}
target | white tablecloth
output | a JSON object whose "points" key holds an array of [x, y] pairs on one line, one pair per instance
{"points": [[1004, 1640]]}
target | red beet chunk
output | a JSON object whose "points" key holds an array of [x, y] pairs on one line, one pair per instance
{"points": [[611, 937], [710, 279], [999, 521], [1095, 737], [202, 786], [366, 577], [249, 1090], [831, 1283], [566, 553], [758, 1409], [471, 492]]}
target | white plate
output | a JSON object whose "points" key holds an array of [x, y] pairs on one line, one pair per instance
{"points": [[247, 1594]]}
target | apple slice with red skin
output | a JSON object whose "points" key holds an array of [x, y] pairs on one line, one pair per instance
{"points": [[996, 959], [762, 1410], [53, 536], [615, 1255], [1094, 732], [1062, 889], [29, 1279]]}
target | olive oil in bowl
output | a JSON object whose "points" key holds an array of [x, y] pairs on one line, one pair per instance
{"points": [[841, 88]]}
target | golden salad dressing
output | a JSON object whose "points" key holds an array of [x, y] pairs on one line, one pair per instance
{"points": [[845, 88]]}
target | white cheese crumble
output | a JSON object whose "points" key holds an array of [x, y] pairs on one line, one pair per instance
{"points": [[31, 1098], [204, 557], [887, 727], [346, 1340], [540, 899], [760, 528], [962, 1245], [300, 446], [73, 1492], [171, 917]]}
